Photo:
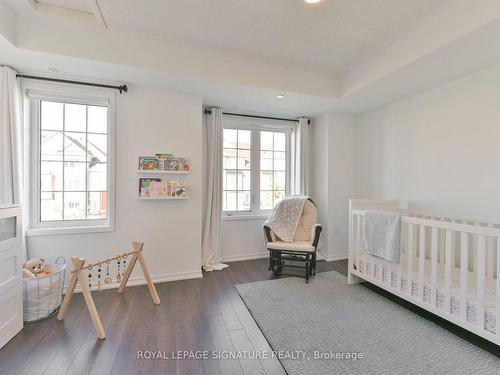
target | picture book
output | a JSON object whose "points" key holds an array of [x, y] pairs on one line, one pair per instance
{"points": [[177, 164], [161, 160], [180, 191], [164, 156], [145, 184], [148, 163]]}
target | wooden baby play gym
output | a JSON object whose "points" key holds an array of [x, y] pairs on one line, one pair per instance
{"points": [[122, 276]]}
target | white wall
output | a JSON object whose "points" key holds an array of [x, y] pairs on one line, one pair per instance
{"points": [[147, 121], [333, 178], [243, 239], [439, 149], [319, 175], [341, 180]]}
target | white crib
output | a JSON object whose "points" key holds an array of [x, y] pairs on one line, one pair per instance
{"points": [[449, 266]]}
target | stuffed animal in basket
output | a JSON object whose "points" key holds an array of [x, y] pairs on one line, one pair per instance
{"points": [[34, 268]]}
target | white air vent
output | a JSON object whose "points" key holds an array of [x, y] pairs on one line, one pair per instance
{"points": [[82, 9]]}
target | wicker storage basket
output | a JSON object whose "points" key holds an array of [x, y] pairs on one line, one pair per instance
{"points": [[42, 295]]}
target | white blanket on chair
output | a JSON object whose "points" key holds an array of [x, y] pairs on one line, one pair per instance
{"points": [[382, 231], [285, 217]]}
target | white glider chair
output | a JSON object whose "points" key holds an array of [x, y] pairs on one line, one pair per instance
{"points": [[303, 247]]}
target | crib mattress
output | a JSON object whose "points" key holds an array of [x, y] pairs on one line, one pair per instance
{"points": [[390, 274]]}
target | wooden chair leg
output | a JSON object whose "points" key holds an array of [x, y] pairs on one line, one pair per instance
{"points": [[276, 263], [307, 271]]}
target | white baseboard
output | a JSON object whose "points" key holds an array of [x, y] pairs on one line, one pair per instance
{"points": [[133, 281], [248, 256], [333, 258]]}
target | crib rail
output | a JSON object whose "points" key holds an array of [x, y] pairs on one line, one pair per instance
{"points": [[448, 266]]}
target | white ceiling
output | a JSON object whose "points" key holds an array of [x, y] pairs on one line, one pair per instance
{"points": [[372, 57], [77, 5], [328, 37], [324, 37]]}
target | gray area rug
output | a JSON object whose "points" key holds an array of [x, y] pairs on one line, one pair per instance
{"points": [[327, 316]]}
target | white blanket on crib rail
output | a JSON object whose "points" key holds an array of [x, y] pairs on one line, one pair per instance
{"points": [[382, 231]]}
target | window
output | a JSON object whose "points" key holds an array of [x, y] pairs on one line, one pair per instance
{"points": [[237, 165], [71, 169], [272, 168], [255, 166]]}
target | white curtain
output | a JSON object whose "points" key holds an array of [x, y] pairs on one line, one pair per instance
{"points": [[301, 159], [10, 138], [211, 252]]}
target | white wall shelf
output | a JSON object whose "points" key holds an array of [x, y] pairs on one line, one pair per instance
{"points": [[157, 171], [164, 198]]}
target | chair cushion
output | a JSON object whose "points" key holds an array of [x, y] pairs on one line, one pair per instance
{"points": [[291, 246], [307, 220]]}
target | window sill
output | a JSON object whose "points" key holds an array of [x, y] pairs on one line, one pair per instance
{"points": [[34, 232], [244, 217]]}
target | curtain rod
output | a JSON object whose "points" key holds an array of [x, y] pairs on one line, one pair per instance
{"points": [[208, 111], [122, 88]]}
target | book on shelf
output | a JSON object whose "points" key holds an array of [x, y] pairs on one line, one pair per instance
{"points": [[156, 188], [145, 186], [180, 191], [177, 165], [161, 160], [148, 163], [164, 162]]}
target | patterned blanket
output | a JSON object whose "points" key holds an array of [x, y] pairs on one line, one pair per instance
{"points": [[285, 217]]}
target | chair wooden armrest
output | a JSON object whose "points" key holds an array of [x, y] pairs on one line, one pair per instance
{"points": [[315, 234], [267, 234]]}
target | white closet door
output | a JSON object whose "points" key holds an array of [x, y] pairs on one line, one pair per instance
{"points": [[11, 297]]}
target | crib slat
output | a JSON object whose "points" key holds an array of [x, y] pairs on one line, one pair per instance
{"points": [[481, 270], [498, 288], [490, 254], [474, 258], [434, 256], [464, 273], [447, 272], [441, 245], [409, 260], [454, 247], [421, 262], [398, 280], [358, 239]]}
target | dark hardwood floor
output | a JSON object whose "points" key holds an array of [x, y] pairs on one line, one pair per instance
{"points": [[194, 315]]}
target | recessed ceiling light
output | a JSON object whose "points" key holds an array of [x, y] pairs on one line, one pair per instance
{"points": [[280, 96], [312, 1]]}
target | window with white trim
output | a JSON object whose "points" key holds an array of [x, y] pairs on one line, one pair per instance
{"points": [[273, 168], [256, 158], [237, 168], [71, 170]]}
